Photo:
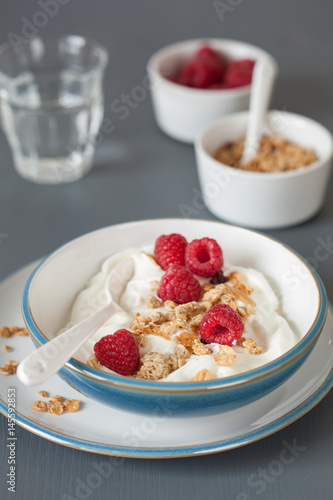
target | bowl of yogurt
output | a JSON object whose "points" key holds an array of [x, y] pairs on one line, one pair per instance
{"points": [[280, 298]]}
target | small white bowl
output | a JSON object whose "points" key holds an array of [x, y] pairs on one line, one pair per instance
{"points": [[264, 200], [181, 112]]}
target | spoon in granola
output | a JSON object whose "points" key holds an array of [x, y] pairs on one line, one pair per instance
{"points": [[44, 362], [264, 74]]}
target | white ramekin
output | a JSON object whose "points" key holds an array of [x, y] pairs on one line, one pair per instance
{"points": [[181, 112], [264, 200]]}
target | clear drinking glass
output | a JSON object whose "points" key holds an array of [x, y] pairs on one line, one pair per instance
{"points": [[51, 106]]}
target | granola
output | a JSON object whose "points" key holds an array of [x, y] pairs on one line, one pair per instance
{"points": [[200, 349], [251, 346], [159, 332], [170, 303], [187, 339], [142, 340], [9, 368], [153, 302], [57, 398], [195, 322], [175, 362], [93, 362], [55, 405], [153, 366], [169, 328], [39, 406], [225, 357], [6, 331], [182, 352], [153, 285], [275, 155], [201, 376], [71, 405], [21, 332]]}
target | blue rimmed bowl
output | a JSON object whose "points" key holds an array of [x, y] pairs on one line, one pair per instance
{"points": [[54, 284]]}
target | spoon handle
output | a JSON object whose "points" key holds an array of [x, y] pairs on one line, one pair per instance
{"points": [[263, 78], [44, 362]]}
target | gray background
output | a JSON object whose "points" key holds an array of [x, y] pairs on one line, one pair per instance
{"points": [[140, 173]]}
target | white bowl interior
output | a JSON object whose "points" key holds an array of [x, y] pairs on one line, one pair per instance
{"points": [[65, 273], [295, 128]]}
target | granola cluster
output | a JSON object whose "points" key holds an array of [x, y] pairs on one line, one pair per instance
{"points": [[250, 344], [56, 405], [153, 302], [7, 348], [93, 362], [225, 357], [275, 155], [9, 368], [202, 376], [181, 323], [6, 331], [154, 366]]}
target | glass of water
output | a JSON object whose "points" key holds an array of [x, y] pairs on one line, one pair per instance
{"points": [[51, 106]]}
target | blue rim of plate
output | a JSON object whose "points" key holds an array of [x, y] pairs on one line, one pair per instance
{"points": [[242, 378], [184, 451]]}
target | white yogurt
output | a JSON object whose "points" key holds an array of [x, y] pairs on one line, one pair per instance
{"points": [[271, 331]]}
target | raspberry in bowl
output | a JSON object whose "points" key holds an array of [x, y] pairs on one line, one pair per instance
{"points": [[197, 81], [203, 356], [210, 69]]}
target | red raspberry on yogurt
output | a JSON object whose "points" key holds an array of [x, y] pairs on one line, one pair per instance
{"points": [[179, 285], [221, 324], [170, 250]]}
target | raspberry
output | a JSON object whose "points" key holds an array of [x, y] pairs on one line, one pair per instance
{"points": [[206, 53], [204, 257], [239, 73], [204, 69], [179, 285], [118, 352], [222, 325], [209, 69], [170, 249]]}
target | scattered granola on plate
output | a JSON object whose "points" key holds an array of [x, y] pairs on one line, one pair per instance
{"points": [[56, 405]]}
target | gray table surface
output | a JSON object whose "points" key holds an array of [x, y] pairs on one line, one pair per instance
{"points": [[140, 173]]}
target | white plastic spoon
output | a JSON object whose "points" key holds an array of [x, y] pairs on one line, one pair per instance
{"points": [[264, 75], [45, 361]]}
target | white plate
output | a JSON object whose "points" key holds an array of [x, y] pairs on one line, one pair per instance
{"points": [[104, 430]]}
